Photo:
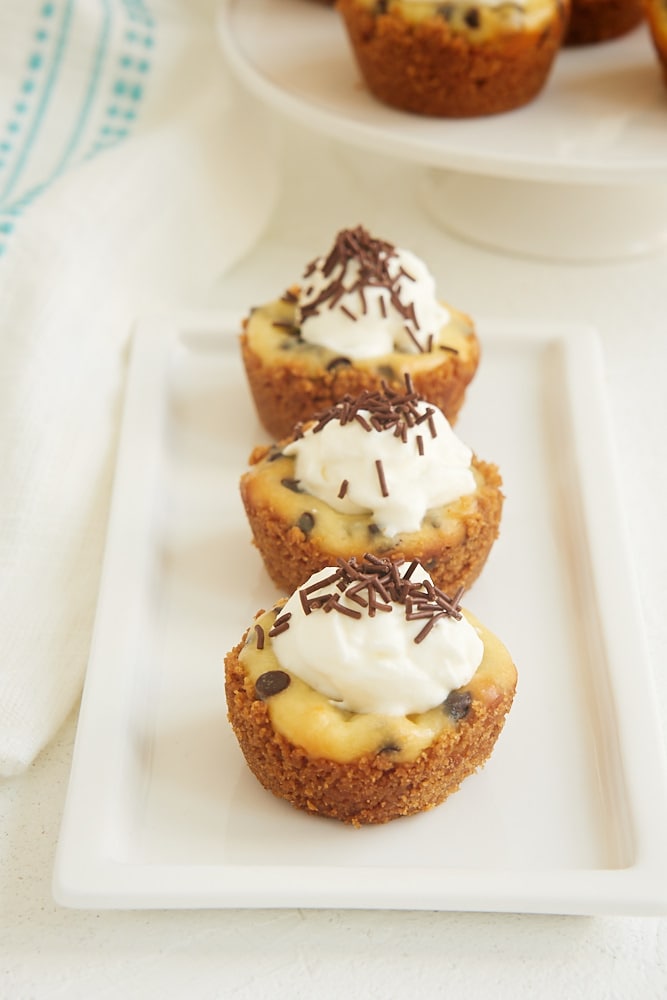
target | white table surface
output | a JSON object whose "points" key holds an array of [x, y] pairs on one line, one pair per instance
{"points": [[47, 951]]}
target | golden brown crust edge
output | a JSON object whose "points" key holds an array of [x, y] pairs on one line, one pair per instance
{"points": [[427, 69], [594, 21], [286, 394], [656, 16], [372, 789], [291, 556]]}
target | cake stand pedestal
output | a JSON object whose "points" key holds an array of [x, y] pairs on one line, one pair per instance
{"points": [[548, 219]]}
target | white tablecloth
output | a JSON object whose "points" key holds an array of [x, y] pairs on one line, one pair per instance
{"points": [[131, 173]]}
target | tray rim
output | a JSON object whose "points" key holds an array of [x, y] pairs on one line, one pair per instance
{"points": [[86, 873]]}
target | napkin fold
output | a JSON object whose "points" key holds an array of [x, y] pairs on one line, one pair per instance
{"points": [[132, 174]]}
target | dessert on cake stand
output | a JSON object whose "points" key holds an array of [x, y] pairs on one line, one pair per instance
{"points": [[579, 174]]}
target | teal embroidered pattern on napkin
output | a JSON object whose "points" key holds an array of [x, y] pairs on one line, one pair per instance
{"points": [[80, 72]]}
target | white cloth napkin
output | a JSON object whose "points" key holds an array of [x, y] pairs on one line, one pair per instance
{"points": [[132, 173]]}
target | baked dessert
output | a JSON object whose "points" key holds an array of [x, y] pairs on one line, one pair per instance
{"points": [[365, 313], [656, 15], [383, 473], [456, 59], [369, 694], [593, 21]]}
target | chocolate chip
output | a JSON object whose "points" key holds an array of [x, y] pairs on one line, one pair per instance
{"points": [[457, 704], [339, 362], [306, 522], [270, 683], [292, 484], [472, 18], [291, 342]]}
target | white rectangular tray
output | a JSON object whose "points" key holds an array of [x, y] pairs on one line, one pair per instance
{"points": [[568, 816]]}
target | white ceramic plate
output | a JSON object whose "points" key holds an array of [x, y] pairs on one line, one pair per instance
{"points": [[568, 816], [601, 118]]}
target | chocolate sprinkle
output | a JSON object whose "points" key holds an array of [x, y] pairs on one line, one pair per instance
{"points": [[385, 409], [281, 624], [381, 477], [259, 632], [375, 585], [373, 258]]}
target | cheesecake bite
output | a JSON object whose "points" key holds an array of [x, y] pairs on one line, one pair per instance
{"points": [[458, 59], [369, 694], [382, 473], [363, 314]]}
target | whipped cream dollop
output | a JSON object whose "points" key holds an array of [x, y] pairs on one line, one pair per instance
{"points": [[393, 456], [367, 298], [386, 659]]}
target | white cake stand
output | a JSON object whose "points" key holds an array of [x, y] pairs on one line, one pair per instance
{"points": [[579, 174]]}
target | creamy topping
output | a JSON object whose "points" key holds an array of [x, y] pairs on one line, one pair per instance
{"points": [[368, 298], [389, 454], [377, 637]]}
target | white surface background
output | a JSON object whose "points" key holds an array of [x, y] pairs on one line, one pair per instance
{"points": [[46, 951]]}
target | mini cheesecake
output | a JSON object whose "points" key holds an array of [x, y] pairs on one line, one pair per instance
{"points": [[360, 284], [458, 59], [365, 767], [298, 531]]}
